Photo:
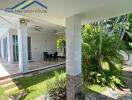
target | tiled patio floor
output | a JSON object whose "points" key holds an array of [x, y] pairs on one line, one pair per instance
{"points": [[7, 69]]}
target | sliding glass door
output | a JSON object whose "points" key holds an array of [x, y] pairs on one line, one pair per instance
{"points": [[5, 48], [15, 48], [29, 49]]}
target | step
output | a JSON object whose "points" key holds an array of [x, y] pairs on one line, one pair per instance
{"points": [[11, 90], [7, 84], [5, 80], [10, 86]]}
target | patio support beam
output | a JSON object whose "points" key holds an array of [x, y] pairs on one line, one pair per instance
{"points": [[22, 45], [2, 48], [10, 47], [73, 56]]}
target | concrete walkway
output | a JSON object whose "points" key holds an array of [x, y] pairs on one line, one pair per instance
{"points": [[126, 93], [109, 94]]}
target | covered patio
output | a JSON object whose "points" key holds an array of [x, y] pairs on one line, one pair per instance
{"points": [[7, 69], [38, 39]]}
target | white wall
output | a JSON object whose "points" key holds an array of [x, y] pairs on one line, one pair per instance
{"points": [[3, 36], [40, 42]]}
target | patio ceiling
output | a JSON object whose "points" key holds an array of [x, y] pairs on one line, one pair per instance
{"points": [[8, 20], [89, 10]]}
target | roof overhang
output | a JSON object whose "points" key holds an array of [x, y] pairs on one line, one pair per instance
{"points": [[89, 10]]}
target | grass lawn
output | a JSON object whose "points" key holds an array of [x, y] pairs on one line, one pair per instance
{"points": [[35, 85]]}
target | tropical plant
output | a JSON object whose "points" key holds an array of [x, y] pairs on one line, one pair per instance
{"points": [[61, 46], [61, 43], [57, 86], [102, 62]]}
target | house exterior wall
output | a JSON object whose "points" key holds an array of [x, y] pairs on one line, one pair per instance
{"points": [[3, 36], [41, 42]]}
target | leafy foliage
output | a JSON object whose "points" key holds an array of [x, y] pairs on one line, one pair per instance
{"points": [[57, 86], [101, 58], [61, 46], [61, 43]]}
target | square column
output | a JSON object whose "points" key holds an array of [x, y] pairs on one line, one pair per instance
{"points": [[73, 56], [2, 48], [10, 47], [22, 45]]}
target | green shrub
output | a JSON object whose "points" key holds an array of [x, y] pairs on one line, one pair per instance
{"points": [[57, 86], [101, 60]]}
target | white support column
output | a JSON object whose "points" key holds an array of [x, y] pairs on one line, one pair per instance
{"points": [[73, 56], [2, 48], [22, 44], [10, 47]]}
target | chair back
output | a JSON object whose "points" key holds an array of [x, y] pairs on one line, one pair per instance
{"points": [[45, 53], [56, 54]]}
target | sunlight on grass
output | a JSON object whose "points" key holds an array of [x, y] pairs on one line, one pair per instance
{"points": [[36, 85], [94, 88], [2, 96], [10, 86], [1, 91]]}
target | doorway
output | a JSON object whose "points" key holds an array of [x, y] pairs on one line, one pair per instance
{"points": [[5, 48], [15, 48], [29, 49]]}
